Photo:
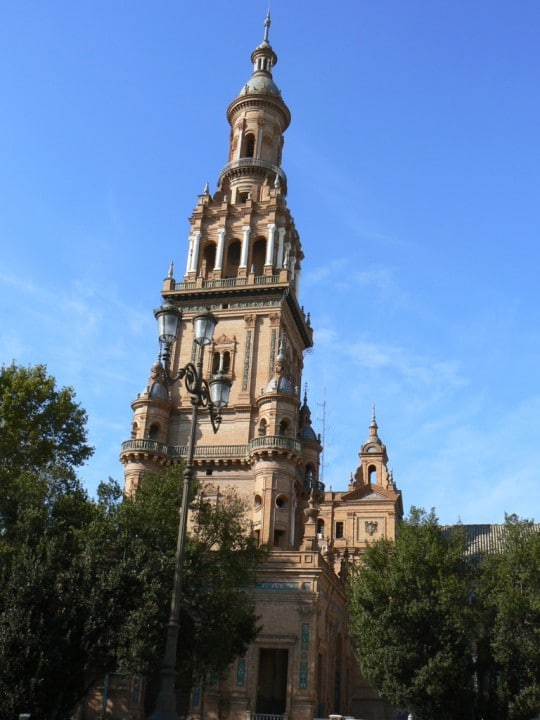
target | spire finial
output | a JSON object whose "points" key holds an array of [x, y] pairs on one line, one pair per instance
{"points": [[373, 418], [267, 24]]}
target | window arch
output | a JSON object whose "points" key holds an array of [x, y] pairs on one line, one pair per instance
{"points": [[258, 256], [249, 146], [262, 427], [372, 475], [221, 362], [233, 259], [208, 262]]}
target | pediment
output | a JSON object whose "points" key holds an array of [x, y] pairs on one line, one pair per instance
{"points": [[371, 493], [223, 340]]}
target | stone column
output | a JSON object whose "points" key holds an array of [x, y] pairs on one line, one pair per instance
{"points": [[245, 246], [270, 244], [220, 249]]}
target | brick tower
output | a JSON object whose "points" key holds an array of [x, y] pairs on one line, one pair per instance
{"points": [[243, 261]]}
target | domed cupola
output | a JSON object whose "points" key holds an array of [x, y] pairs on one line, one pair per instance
{"points": [[156, 387], [373, 439], [258, 118], [263, 59]]}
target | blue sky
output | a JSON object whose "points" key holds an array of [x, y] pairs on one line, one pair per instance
{"points": [[413, 162]]}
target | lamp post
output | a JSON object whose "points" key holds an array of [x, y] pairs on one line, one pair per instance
{"points": [[213, 395]]}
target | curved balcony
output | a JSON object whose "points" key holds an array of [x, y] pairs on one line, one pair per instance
{"points": [[275, 445], [145, 448], [251, 166]]}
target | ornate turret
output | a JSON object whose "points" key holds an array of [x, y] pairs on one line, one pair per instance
{"points": [[258, 118], [148, 448], [373, 468]]}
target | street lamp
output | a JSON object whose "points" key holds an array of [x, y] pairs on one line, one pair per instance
{"points": [[213, 395]]}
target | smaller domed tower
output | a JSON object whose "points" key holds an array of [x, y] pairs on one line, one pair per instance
{"points": [[151, 414], [373, 468], [369, 510]]}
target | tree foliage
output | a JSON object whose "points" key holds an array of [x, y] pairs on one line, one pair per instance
{"points": [[85, 584], [443, 636], [411, 620], [220, 566], [510, 649]]}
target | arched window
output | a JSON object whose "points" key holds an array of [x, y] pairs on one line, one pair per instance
{"points": [[134, 429], [221, 362], [262, 427], [249, 146], [283, 426], [233, 259], [320, 527], [153, 431], [258, 256], [208, 259], [372, 475]]}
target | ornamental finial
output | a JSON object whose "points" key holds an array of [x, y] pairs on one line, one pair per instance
{"points": [[267, 24]]}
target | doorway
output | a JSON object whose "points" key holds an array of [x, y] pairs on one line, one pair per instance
{"points": [[272, 683]]}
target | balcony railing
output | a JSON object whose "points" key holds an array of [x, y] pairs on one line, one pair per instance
{"points": [[227, 283], [174, 452], [150, 446], [275, 442], [178, 451], [252, 163]]}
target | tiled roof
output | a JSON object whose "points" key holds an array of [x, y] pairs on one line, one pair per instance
{"points": [[483, 539]]}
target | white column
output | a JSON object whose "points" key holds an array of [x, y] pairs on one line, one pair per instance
{"points": [[245, 246], [270, 244], [239, 146], [195, 251], [281, 239], [220, 248], [190, 252]]}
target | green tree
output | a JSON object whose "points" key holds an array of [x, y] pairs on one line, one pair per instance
{"points": [[509, 592], [221, 561], [85, 585], [413, 622]]}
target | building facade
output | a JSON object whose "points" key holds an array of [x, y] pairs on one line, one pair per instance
{"points": [[244, 260]]}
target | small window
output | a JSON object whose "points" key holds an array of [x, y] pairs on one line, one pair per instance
{"points": [[372, 475], [339, 530], [283, 427], [281, 502], [262, 428], [153, 431], [279, 537]]}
